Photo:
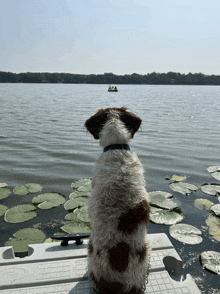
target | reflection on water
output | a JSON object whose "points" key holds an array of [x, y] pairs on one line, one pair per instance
{"points": [[43, 140]]}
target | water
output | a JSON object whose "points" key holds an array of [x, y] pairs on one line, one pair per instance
{"points": [[43, 140]]}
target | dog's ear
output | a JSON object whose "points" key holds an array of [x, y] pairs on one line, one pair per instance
{"points": [[95, 123], [131, 120]]}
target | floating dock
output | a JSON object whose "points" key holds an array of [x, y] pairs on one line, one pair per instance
{"points": [[53, 269]]}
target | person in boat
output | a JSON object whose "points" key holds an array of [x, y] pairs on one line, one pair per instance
{"points": [[116, 88], [109, 87]]}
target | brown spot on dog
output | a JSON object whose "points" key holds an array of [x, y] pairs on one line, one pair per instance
{"points": [[135, 290], [106, 287], [142, 253], [90, 247], [129, 221], [119, 256], [131, 121], [96, 122]]}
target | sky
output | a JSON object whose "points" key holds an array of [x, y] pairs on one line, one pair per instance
{"points": [[118, 36]]}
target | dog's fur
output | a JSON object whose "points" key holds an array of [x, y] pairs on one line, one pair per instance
{"points": [[118, 208]]}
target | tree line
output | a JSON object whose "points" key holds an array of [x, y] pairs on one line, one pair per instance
{"points": [[170, 78]]}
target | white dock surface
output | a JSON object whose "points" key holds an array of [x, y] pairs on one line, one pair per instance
{"points": [[52, 269]]}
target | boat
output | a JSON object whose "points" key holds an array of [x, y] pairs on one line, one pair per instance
{"points": [[112, 89]]}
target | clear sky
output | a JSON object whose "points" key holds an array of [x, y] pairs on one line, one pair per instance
{"points": [[118, 36]]}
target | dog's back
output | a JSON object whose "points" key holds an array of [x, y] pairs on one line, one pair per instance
{"points": [[119, 211]]}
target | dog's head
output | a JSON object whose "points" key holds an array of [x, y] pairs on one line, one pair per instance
{"points": [[96, 123]]}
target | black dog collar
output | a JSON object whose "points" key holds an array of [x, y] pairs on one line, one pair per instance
{"points": [[116, 146]]}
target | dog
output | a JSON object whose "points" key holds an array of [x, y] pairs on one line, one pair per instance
{"points": [[118, 250]]}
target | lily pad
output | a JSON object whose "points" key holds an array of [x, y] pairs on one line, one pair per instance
{"points": [[211, 261], [86, 188], [71, 216], [216, 209], [216, 175], [82, 214], [183, 188], [80, 183], [213, 169], [164, 217], [3, 209], [203, 203], [24, 237], [75, 227], [210, 189], [20, 213], [75, 203], [48, 200], [214, 227], [162, 202], [4, 193], [177, 178], [34, 188], [22, 190], [2, 185], [186, 234], [78, 194], [160, 193]]}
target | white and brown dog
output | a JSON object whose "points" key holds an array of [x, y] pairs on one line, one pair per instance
{"points": [[118, 207]]}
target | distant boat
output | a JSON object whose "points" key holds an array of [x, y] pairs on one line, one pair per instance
{"points": [[112, 89]]}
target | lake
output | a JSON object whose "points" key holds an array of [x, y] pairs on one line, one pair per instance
{"points": [[43, 140]]}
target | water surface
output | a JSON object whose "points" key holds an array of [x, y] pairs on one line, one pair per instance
{"points": [[43, 140]]}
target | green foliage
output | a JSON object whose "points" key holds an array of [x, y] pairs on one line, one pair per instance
{"points": [[21, 190], [165, 217], [74, 227], [186, 234], [211, 261], [210, 189], [170, 78], [2, 185], [183, 188], [4, 193], [214, 227], [203, 203], [34, 188], [161, 202], [80, 183], [24, 237], [3, 209], [176, 178], [216, 209], [48, 200], [20, 213]]}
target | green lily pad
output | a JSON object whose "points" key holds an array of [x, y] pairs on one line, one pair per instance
{"points": [[216, 209], [20, 213], [86, 188], [82, 214], [214, 227], [24, 237], [177, 178], [78, 184], [216, 175], [79, 194], [213, 169], [75, 227], [164, 217], [34, 188], [22, 190], [183, 188], [211, 261], [75, 203], [2, 185], [203, 203], [4, 193], [210, 189], [3, 209], [71, 216], [186, 234], [48, 200], [160, 193], [162, 202]]}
